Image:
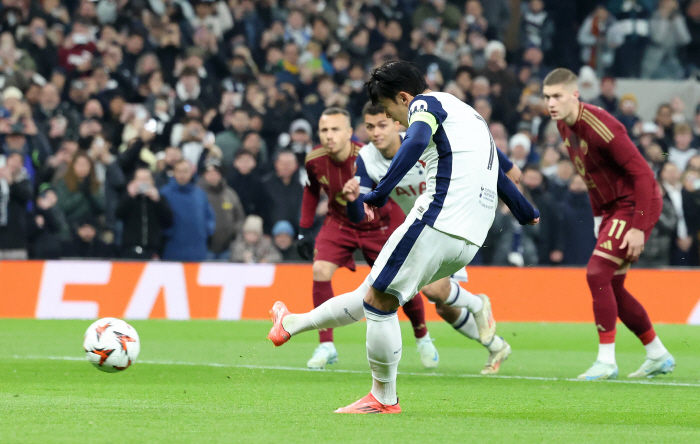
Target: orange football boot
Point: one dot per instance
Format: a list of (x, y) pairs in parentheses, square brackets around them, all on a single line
[(369, 404), (278, 335)]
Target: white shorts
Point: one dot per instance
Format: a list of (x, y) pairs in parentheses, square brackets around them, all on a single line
[(416, 255)]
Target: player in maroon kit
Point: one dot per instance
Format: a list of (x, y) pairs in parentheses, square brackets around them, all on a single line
[(626, 205), (329, 167)]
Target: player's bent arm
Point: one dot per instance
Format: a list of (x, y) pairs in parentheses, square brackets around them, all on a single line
[(414, 144), (523, 210)]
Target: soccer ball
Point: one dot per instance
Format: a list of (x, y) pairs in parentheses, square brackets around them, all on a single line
[(111, 345)]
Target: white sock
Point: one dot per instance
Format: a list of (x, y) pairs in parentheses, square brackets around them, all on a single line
[(466, 325), (459, 297), (336, 312), (424, 338), (606, 353), (655, 349), (496, 344), (383, 352)]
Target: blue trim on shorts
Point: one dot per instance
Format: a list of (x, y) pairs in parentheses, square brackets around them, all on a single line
[(463, 322), (377, 311), (442, 178), (398, 256)]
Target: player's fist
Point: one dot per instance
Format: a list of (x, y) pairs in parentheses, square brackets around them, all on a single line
[(305, 244), (351, 190), (369, 212)]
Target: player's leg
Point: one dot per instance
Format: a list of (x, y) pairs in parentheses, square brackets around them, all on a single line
[(371, 243), (599, 274), (450, 293), (323, 291), (414, 256), (658, 360), (463, 321)]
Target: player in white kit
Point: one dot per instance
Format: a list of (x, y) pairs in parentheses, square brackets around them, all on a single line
[(444, 229)]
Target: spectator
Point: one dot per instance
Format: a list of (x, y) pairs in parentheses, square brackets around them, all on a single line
[(15, 192), (40, 47), (283, 238), (664, 119), (696, 127), (577, 217), (681, 151), (691, 211), (551, 234), (85, 243), (109, 175), (657, 249), (607, 98), (298, 140), (668, 33), (228, 211), (253, 247), (537, 27), (78, 49), (193, 217), (170, 157), (79, 190), (512, 243), (236, 123), (145, 214), (519, 149), (45, 226), (598, 38), (245, 181), (692, 20), (670, 178), (628, 113), (284, 190), (443, 10), (633, 28)]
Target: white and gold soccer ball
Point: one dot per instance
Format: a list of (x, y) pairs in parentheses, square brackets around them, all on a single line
[(111, 345)]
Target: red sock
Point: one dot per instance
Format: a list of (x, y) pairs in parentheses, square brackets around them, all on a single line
[(323, 291), (415, 311), (631, 312), (599, 274)]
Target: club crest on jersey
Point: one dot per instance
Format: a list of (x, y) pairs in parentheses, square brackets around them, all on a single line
[(417, 107)]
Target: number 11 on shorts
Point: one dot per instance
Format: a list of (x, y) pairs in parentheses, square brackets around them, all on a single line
[(615, 223)]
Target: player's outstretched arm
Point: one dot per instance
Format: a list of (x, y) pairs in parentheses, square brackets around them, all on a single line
[(523, 210), (414, 144)]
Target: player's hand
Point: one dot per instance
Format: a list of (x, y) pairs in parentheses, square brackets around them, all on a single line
[(305, 244), (534, 221), (515, 174), (634, 241), (351, 190), (369, 212)]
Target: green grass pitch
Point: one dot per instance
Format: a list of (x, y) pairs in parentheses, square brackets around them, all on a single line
[(230, 385)]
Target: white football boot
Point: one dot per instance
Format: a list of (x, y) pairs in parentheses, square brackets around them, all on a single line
[(428, 353), (653, 367), (496, 358), (485, 322), (599, 371), (323, 355)]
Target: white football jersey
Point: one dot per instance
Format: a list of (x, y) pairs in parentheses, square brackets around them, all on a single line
[(461, 168), (373, 166)]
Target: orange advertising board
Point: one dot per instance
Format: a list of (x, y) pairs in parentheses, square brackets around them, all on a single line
[(172, 290)]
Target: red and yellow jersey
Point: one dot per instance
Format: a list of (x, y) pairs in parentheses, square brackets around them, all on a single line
[(324, 173), (616, 174)]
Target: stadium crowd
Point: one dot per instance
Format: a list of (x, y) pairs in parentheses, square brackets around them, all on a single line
[(175, 130)]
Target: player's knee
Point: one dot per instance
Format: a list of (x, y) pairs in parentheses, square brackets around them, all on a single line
[(598, 273), (323, 271), (437, 292), (382, 301)]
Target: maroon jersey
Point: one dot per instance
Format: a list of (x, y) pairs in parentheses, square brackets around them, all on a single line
[(616, 174), (326, 174)]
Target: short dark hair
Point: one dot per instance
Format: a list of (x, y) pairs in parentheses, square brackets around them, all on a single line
[(393, 77), (334, 111), (560, 76), (372, 110), (465, 69)]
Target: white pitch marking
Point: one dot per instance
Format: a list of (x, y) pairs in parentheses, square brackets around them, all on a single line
[(362, 372)]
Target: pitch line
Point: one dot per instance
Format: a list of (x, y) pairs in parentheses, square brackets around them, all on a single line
[(363, 372)]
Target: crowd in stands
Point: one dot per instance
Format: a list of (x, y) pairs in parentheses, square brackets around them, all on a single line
[(177, 130)]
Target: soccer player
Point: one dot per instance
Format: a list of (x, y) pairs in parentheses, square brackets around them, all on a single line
[(626, 205), (372, 163), (444, 229), (329, 167)]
